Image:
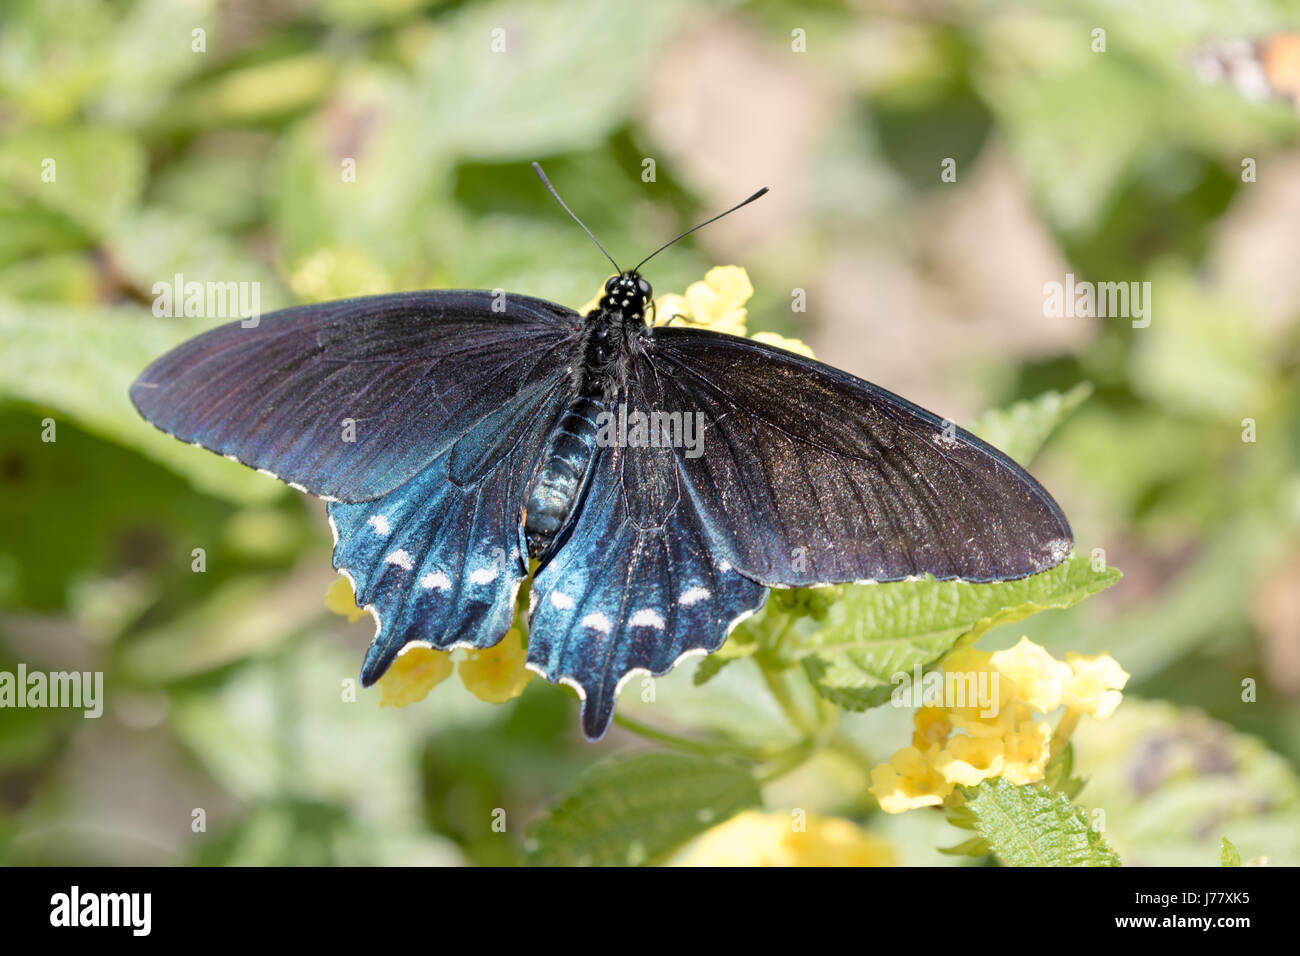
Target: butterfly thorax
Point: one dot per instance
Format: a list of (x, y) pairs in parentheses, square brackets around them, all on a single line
[(614, 332)]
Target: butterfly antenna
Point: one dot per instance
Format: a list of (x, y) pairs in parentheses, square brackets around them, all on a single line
[(537, 168), (638, 266)]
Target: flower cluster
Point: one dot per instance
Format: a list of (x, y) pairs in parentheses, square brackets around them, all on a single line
[(788, 839), (495, 674), (964, 744)]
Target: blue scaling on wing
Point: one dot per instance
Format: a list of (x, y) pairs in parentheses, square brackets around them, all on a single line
[(637, 583), (351, 399), (440, 559)]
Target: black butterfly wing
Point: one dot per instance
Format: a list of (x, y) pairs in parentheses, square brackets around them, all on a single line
[(412, 372), (637, 584), (809, 475), (440, 558)]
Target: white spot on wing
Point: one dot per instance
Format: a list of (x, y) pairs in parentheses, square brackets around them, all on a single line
[(694, 596), (380, 524), (561, 601), (647, 618), (400, 558), (435, 581), (484, 575), (597, 622), (724, 566)]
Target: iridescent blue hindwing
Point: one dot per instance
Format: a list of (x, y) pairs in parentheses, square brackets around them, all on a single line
[(440, 558), (636, 585)]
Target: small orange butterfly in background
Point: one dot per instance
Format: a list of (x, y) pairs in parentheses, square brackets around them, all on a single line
[(1259, 69)]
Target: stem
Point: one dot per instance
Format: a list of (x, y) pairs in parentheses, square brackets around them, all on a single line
[(790, 759), (707, 747), (1065, 729), (846, 748), (776, 683)]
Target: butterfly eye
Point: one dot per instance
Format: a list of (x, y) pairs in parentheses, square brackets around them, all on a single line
[(611, 286), (643, 288)]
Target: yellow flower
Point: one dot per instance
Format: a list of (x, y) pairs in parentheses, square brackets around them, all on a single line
[(1026, 752), (1039, 677), (417, 670), (968, 760), (497, 674), (717, 303), (780, 341), (993, 733), (932, 727), (988, 708), (908, 781), (1094, 684), (340, 599), (754, 838), (672, 309)]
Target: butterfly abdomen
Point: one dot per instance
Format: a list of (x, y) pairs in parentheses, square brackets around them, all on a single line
[(570, 449), (612, 336)]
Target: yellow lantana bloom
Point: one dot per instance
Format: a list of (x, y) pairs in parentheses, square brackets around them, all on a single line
[(1094, 684), (780, 341), (754, 838), (1040, 677), (340, 599), (716, 303), (908, 781), (417, 670), (966, 761), (497, 674), (997, 737), (975, 671), (933, 725), (1026, 752)]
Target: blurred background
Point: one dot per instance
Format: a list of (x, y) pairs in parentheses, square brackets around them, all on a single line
[(218, 154)]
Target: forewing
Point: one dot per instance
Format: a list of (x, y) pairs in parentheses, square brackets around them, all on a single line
[(637, 583), (440, 559), (351, 399), (809, 475)]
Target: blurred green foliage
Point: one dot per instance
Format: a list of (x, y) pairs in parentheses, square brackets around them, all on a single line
[(227, 688)]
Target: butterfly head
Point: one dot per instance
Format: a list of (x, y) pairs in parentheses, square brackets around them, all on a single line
[(628, 293)]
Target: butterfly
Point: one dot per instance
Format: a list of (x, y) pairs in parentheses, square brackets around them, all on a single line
[(661, 478)]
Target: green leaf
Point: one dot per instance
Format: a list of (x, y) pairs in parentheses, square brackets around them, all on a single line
[(710, 666), (1035, 826), (527, 99), (81, 362), (1057, 776), (90, 176), (1022, 429), (1229, 855), (635, 810), (975, 846), (878, 631)]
